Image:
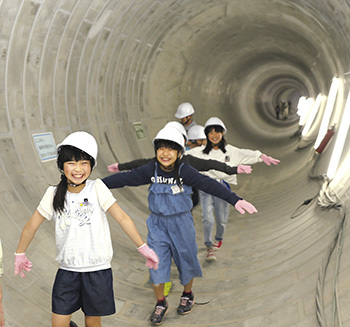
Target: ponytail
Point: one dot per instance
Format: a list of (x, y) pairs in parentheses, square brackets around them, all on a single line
[(60, 195)]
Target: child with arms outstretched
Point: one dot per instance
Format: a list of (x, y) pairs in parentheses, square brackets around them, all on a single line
[(217, 149), (171, 231), (77, 205)]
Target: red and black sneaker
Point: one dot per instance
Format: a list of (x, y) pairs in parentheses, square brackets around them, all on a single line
[(158, 314), (185, 305)]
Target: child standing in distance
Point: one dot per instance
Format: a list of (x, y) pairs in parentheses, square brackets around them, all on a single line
[(171, 231), (196, 137), (217, 149), (185, 112), (84, 250)]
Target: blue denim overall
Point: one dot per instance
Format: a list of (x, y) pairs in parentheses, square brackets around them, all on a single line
[(171, 232)]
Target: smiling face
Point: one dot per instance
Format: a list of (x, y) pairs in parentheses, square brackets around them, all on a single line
[(167, 156), (76, 172), (215, 137)]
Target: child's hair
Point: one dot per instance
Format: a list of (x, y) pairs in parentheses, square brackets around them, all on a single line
[(158, 143), (209, 146), (67, 153)]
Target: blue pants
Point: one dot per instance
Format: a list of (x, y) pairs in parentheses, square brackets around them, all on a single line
[(211, 204), (173, 237)]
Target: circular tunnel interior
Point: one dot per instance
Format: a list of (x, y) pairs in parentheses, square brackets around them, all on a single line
[(118, 69)]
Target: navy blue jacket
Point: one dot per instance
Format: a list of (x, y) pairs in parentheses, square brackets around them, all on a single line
[(188, 176)]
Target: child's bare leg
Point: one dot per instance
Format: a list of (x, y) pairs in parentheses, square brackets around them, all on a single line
[(60, 320), (159, 291), (187, 300), (188, 287), (161, 308), (91, 321)]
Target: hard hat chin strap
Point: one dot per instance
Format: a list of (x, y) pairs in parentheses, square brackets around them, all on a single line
[(63, 176), (75, 185)]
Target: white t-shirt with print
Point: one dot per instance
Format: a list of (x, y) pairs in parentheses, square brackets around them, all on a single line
[(233, 157), (83, 240)]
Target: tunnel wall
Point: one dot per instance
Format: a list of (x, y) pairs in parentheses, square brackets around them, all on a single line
[(111, 67)]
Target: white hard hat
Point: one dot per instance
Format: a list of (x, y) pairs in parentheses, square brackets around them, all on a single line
[(196, 132), (179, 127), (82, 141), (169, 133), (183, 110), (215, 121)]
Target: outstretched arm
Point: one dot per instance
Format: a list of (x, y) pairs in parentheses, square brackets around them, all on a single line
[(29, 230), (117, 167), (134, 177), (208, 164), (126, 223), (211, 186), (269, 160), (129, 228)]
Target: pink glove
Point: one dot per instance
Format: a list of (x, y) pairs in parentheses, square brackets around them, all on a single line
[(269, 160), (150, 255), (113, 168), (22, 263), (244, 169), (242, 205)]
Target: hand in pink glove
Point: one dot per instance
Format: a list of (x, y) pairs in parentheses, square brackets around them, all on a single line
[(113, 168), (150, 255), (22, 263), (269, 160), (243, 205), (244, 169)]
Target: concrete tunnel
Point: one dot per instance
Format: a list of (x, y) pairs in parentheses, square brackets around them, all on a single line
[(118, 69)]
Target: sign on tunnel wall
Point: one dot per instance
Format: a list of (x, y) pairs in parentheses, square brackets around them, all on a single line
[(45, 146)]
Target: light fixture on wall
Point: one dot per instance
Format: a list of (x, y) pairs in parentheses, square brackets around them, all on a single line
[(328, 111), (340, 140), (304, 109), (313, 111)]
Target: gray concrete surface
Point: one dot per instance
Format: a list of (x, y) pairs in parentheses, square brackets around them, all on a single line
[(102, 66)]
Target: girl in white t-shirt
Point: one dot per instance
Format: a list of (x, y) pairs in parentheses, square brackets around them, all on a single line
[(84, 250), (217, 148)]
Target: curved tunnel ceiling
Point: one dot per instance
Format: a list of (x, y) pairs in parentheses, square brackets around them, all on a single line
[(102, 66)]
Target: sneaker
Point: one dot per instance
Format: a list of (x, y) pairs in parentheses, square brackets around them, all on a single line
[(158, 314), (72, 324), (210, 255), (217, 244), (185, 305)]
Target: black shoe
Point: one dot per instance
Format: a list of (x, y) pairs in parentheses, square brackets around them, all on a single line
[(158, 314), (73, 324), (185, 305)]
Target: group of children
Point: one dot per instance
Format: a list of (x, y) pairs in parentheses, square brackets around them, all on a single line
[(78, 206)]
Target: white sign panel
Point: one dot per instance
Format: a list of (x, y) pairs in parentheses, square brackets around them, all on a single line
[(45, 146)]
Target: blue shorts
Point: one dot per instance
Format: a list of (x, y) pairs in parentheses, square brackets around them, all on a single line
[(90, 291)]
